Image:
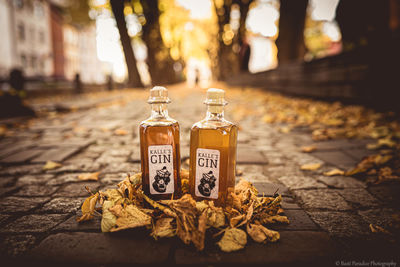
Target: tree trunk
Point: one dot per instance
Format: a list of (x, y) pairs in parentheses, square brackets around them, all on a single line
[(290, 41), (244, 54), (159, 60), (227, 61), (117, 7)]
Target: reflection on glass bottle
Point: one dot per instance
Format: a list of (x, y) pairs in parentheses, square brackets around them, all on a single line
[(159, 149), (213, 152)]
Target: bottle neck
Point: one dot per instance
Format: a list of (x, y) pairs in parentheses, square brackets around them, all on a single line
[(159, 111), (215, 112)]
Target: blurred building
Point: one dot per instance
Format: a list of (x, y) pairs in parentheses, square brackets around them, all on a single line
[(36, 39), (80, 54), (26, 37)]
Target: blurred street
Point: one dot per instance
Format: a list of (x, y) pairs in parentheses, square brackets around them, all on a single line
[(330, 216)]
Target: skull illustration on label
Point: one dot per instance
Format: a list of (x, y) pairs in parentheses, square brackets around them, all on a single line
[(207, 173), (161, 169)]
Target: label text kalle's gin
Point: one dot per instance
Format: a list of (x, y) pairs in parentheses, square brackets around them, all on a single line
[(161, 169), (207, 173)]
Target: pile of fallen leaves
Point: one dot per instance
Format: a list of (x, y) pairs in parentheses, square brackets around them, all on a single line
[(335, 120), (244, 214)]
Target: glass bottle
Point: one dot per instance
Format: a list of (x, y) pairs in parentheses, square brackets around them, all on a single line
[(159, 149), (213, 152)]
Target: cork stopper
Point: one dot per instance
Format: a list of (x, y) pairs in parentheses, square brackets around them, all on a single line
[(158, 94), (215, 97)]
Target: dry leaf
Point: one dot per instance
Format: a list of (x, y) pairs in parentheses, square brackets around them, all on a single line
[(378, 229), (120, 132), (270, 219), (129, 216), (232, 240), (50, 165), (108, 220), (88, 208), (310, 167), (163, 228), (334, 172), (261, 234), (93, 176), (308, 149)]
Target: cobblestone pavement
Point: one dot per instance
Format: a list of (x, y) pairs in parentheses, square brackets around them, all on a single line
[(329, 216)]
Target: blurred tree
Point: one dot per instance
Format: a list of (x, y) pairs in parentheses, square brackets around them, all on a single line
[(290, 41), (159, 60), (229, 41), (117, 7), (77, 12)]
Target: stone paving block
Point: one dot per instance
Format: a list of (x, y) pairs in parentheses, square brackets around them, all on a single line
[(36, 191), (322, 199), (113, 178), (16, 245), (56, 154), (6, 181), (135, 156), (19, 204), (268, 189), (288, 203), (294, 248), (22, 156), (34, 179), (126, 167), (337, 158), (21, 169), (13, 147), (338, 144), (359, 197), (249, 155), (340, 224), (33, 223), (3, 218), (387, 193), (63, 179), (102, 249), (71, 225), (76, 189), (341, 181), (299, 220), (383, 217), (358, 153), (62, 205), (82, 165), (300, 182)]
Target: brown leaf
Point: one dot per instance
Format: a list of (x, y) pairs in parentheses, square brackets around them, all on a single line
[(270, 219), (129, 216), (261, 234), (378, 229), (88, 208), (164, 228), (334, 172), (199, 234), (93, 176), (120, 132), (50, 165), (232, 240), (310, 167), (308, 149)]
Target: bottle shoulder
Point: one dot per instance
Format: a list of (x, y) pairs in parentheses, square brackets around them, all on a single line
[(213, 124), (159, 122)]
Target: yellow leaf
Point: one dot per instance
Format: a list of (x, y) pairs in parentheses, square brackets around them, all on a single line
[(378, 229), (88, 208), (261, 234), (163, 228), (50, 165), (310, 167), (108, 220), (129, 216), (334, 172), (232, 240), (120, 132), (93, 176), (308, 149)]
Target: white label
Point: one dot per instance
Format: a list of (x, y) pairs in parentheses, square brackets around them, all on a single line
[(207, 173), (161, 169)]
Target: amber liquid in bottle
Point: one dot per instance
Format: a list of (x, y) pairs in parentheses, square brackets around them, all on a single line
[(160, 155), (213, 157)]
